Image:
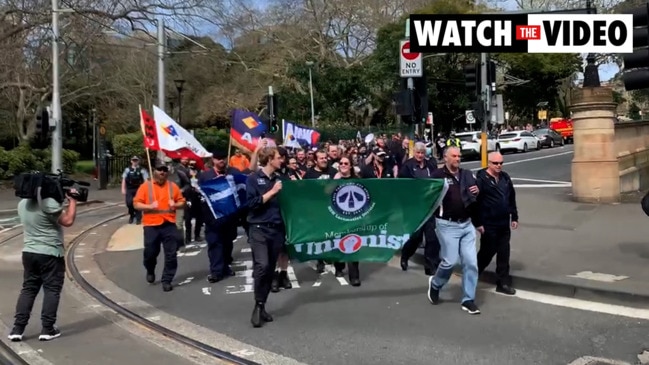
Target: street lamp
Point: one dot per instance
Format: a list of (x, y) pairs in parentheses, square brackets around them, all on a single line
[(179, 86), (171, 106), (310, 65)]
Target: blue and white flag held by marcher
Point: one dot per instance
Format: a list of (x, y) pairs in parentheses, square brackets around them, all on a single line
[(226, 195)]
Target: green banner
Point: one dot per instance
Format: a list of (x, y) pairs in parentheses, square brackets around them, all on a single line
[(357, 219)]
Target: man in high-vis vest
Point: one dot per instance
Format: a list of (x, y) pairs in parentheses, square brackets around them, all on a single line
[(453, 141), (159, 199)]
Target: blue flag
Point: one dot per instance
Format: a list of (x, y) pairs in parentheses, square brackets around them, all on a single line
[(226, 195)]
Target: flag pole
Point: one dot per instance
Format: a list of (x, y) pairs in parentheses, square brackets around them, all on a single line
[(229, 147), (148, 154)]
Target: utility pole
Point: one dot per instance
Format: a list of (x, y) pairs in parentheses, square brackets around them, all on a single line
[(162, 45), (56, 120), (486, 100)]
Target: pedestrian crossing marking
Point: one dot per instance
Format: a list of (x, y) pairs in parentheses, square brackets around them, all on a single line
[(292, 277)]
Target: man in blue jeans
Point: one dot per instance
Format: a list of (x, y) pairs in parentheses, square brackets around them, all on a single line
[(455, 231)]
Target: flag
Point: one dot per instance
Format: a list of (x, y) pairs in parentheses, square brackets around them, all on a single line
[(149, 131), (225, 195), (175, 141), (356, 219), (246, 131), (296, 135)]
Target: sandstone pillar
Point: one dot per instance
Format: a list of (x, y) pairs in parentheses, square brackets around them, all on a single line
[(595, 170)]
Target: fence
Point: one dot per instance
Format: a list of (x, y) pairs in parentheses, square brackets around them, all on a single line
[(116, 166)]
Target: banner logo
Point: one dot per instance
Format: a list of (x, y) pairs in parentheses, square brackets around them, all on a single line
[(350, 244), (350, 202)]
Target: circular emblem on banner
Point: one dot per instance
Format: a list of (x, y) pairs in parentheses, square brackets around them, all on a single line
[(350, 201), (350, 244)]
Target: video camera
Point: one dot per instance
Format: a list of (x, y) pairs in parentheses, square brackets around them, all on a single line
[(55, 186)]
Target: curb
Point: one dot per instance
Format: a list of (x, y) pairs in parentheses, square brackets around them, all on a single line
[(10, 213), (564, 287)]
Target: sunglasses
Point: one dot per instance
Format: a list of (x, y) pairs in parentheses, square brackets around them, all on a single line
[(496, 163), (162, 169), (344, 163)]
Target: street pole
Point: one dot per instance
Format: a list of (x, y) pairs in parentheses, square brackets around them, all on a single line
[(180, 106), (94, 136), (486, 100), (312, 105), (161, 70), (57, 135), (411, 144)]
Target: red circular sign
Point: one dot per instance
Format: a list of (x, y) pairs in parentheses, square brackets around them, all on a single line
[(405, 52)]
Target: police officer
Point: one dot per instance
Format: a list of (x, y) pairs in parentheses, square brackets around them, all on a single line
[(219, 234), (132, 178), (453, 141), (266, 233), (159, 200)]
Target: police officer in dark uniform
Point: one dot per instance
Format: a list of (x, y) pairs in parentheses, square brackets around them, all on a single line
[(266, 234), (219, 234), (132, 178)]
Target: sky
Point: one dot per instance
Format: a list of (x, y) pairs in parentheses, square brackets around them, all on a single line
[(606, 72)]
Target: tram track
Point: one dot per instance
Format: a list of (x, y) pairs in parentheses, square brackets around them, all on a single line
[(76, 275), (9, 356)]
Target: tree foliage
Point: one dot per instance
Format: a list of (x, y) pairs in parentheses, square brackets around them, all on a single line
[(229, 52)]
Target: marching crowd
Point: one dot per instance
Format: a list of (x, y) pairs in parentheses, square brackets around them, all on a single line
[(484, 202)]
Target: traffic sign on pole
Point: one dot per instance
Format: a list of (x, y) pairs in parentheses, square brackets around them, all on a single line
[(411, 63), (469, 117)]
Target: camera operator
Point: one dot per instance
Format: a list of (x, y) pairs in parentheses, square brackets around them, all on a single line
[(43, 259)]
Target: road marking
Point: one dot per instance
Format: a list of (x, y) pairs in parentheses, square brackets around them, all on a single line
[(331, 269), (245, 274), (207, 291), (530, 159), (292, 277), (597, 276), (238, 289), (588, 360), (244, 352), (542, 181), (543, 185), (186, 281), (246, 250), (612, 309)]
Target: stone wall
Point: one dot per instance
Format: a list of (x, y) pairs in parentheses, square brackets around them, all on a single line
[(632, 149)]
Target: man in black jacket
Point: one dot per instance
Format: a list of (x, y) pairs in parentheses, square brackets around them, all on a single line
[(420, 167), (496, 213), (455, 231)]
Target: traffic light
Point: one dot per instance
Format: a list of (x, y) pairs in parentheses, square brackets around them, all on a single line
[(491, 74), (472, 79), (42, 124), (636, 74)]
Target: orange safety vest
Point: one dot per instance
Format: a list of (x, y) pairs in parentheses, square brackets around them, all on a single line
[(145, 195)]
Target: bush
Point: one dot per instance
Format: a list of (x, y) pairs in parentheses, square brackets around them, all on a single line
[(213, 138), (131, 144), (23, 158)]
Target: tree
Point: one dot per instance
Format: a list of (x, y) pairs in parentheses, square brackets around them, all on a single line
[(544, 73)]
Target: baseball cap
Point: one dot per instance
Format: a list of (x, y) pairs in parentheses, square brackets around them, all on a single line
[(219, 154), (135, 158), (380, 153), (161, 165)]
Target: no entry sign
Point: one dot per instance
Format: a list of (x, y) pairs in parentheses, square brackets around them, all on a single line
[(411, 63)]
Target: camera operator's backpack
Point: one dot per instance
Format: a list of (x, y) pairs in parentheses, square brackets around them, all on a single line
[(26, 184)]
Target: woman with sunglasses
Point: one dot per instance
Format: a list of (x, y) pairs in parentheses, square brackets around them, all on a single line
[(346, 171)]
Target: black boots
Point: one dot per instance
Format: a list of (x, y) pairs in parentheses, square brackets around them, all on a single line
[(280, 280), (259, 315)]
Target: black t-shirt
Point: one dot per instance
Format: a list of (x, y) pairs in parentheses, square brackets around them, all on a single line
[(312, 173), (371, 172)]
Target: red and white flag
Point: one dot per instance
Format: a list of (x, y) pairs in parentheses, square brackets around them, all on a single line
[(175, 141), (149, 131)]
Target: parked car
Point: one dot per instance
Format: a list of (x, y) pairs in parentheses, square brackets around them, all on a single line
[(519, 141), (471, 143), (548, 137)]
